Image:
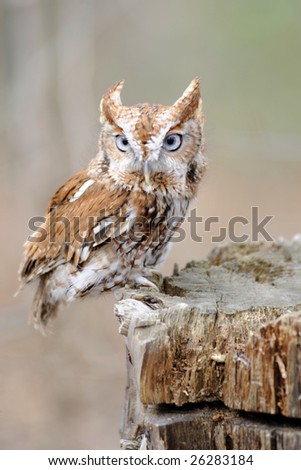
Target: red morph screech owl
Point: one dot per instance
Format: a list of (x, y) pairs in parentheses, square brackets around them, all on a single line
[(147, 168)]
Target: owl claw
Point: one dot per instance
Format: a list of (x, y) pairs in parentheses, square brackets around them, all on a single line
[(141, 281), (156, 277)]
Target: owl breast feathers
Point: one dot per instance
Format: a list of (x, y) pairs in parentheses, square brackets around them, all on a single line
[(111, 223)]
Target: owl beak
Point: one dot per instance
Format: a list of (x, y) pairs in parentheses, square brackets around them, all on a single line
[(146, 171)]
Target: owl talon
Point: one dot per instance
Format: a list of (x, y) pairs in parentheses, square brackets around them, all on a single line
[(155, 277), (141, 281)]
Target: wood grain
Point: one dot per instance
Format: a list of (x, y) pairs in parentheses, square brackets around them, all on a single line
[(224, 329)]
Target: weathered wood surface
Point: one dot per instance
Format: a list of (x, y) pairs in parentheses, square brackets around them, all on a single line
[(217, 428), (225, 329)]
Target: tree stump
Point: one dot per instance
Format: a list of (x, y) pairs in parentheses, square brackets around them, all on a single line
[(214, 358)]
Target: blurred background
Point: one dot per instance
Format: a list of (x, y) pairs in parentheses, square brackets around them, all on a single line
[(57, 57)]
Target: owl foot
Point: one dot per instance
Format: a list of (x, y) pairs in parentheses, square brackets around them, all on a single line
[(145, 278), (150, 300), (155, 277), (141, 281)]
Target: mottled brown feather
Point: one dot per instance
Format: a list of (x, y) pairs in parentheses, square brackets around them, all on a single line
[(97, 203)]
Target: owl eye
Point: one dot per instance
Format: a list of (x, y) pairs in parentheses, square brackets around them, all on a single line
[(172, 142), (122, 143)]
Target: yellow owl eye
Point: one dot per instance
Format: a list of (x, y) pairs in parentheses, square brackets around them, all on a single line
[(172, 142), (122, 143)]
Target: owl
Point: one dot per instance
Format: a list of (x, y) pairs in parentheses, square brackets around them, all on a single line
[(111, 223)]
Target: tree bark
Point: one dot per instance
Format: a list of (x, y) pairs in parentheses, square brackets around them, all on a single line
[(227, 330)]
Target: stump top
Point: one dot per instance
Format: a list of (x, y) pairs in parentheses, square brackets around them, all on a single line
[(239, 277)]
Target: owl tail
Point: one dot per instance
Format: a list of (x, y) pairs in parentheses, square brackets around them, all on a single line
[(43, 307)]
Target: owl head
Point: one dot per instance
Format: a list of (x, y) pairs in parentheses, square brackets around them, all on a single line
[(153, 145)]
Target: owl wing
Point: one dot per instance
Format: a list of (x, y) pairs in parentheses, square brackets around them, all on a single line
[(82, 215)]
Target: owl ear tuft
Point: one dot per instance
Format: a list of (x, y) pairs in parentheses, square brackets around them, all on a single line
[(190, 102), (110, 104)]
